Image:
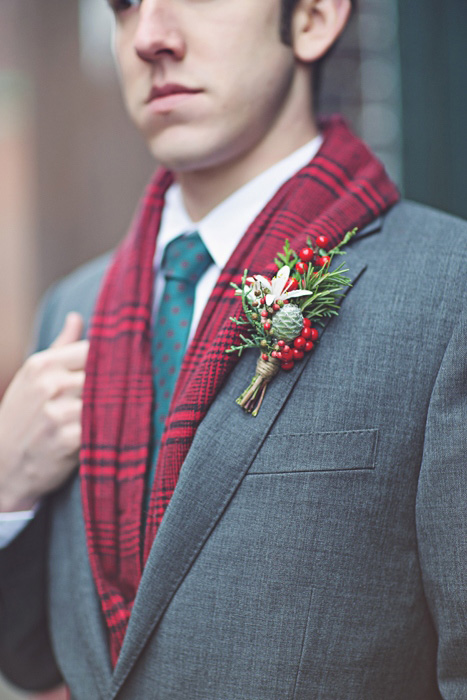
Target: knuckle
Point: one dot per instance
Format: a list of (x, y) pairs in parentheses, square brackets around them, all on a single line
[(80, 377), (74, 383), (50, 413), (46, 387), (39, 375), (34, 365), (70, 437)]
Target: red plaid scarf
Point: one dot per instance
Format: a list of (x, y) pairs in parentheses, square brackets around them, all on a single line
[(342, 188)]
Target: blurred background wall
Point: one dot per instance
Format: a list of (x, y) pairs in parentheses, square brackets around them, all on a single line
[(72, 167)]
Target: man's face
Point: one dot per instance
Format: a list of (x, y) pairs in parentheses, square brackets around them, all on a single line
[(205, 81)]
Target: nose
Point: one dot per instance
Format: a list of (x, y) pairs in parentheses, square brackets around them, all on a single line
[(158, 32)]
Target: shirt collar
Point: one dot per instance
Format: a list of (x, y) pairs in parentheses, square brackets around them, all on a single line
[(224, 226)]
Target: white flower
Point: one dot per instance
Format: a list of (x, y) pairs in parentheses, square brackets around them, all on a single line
[(277, 288), (252, 290), (255, 290)]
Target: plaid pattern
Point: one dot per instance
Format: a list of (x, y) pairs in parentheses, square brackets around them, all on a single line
[(342, 188)]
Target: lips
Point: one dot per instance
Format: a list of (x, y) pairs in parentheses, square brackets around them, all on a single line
[(169, 89)]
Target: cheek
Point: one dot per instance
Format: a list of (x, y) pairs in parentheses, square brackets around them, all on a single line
[(126, 64), (256, 85), (240, 43)]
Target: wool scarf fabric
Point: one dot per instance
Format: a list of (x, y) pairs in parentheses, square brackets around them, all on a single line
[(343, 187)]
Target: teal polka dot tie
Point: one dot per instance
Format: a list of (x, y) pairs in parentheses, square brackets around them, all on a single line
[(185, 260)]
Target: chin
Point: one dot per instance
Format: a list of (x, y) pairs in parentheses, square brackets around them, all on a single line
[(181, 157), (185, 152)]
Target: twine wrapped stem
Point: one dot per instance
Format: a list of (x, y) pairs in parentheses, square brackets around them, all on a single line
[(253, 396)]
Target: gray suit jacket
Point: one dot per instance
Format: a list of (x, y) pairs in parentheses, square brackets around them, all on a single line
[(318, 551)]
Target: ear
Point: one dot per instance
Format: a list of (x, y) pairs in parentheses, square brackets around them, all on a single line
[(316, 25)]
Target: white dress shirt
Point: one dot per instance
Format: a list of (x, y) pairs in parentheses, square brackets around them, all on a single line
[(221, 231)]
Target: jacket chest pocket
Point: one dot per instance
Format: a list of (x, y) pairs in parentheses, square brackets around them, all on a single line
[(341, 450)]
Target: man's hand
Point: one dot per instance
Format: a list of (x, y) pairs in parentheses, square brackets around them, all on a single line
[(40, 420)]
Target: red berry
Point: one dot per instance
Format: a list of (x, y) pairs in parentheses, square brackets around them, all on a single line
[(286, 301), (302, 268), (291, 285), (264, 357), (322, 241), (274, 354), (281, 343), (287, 356), (306, 322), (267, 326), (275, 307), (325, 260), (306, 254), (278, 355), (288, 365), (264, 314), (286, 348), (306, 333), (297, 354), (314, 334), (299, 343), (309, 346)]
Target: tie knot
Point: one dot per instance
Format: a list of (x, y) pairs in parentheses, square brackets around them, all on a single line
[(186, 258)]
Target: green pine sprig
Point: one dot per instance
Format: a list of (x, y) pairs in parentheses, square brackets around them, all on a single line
[(259, 337), (325, 284), (287, 257)]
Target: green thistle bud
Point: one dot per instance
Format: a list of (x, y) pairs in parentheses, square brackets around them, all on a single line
[(287, 323)]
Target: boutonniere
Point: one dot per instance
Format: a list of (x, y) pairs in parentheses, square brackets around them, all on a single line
[(281, 316)]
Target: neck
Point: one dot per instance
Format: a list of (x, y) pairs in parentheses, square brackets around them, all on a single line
[(204, 189)]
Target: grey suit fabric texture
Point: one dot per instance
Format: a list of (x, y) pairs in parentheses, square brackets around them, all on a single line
[(318, 551)]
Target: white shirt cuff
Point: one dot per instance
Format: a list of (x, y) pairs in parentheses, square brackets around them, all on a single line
[(11, 524)]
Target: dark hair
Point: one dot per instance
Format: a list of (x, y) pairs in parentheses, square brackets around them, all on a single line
[(287, 8)]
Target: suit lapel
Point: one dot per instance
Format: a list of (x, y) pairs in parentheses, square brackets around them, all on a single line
[(210, 476)]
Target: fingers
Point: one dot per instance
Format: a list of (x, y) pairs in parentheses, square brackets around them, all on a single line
[(75, 383), (68, 384), (73, 356), (71, 332), (64, 411), (40, 419)]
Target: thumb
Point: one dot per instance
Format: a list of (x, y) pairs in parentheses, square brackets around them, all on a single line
[(71, 332)]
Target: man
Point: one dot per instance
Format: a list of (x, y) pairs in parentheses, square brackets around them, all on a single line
[(314, 551)]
